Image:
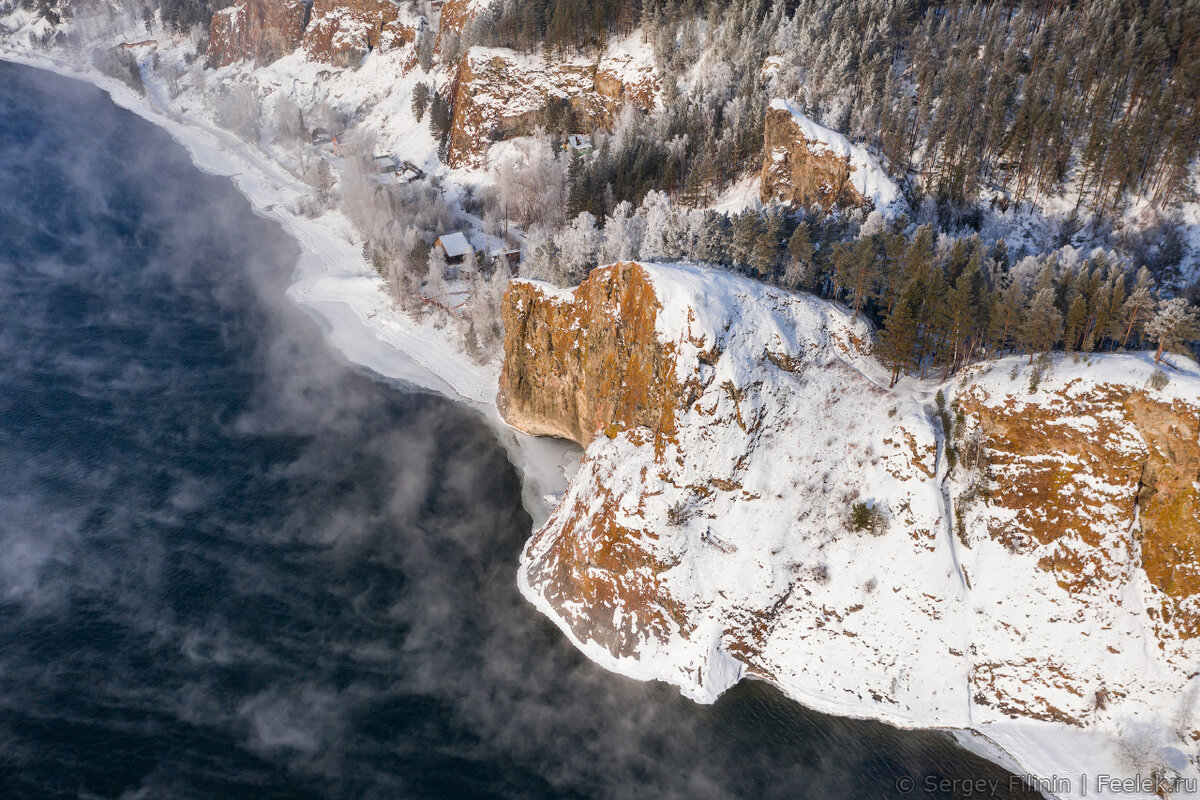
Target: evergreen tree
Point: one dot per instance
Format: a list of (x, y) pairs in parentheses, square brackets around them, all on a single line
[(1175, 324), (1005, 315), (420, 100), (898, 339), (747, 230), (800, 273), (1076, 323), (1137, 308), (1042, 325)]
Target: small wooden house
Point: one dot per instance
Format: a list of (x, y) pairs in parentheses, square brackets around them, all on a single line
[(509, 256), (579, 144), (385, 165), (454, 247)]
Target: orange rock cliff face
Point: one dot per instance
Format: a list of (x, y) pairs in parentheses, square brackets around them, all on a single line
[(1089, 496), (255, 30), (456, 15), (1092, 503), (797, 172), (342, 32), (338, 32), (497, 95), (578, 370), (573, 370)]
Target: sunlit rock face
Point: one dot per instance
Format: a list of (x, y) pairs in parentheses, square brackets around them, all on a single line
[(342, 32), (806, 165), (260, 31), (499, 94), (1044, 570)]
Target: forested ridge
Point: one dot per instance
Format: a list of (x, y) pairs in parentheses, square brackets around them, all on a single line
[(1003, 100), (974, 109)]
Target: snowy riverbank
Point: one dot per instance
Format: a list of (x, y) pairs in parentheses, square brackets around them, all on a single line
[(338, 288)]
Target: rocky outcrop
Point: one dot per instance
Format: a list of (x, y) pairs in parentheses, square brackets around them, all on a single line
[(342, 32), (1097, 481), (498, 94), (805, 164), (456, 15), (255, 30), (578, 368), (1039, 563)]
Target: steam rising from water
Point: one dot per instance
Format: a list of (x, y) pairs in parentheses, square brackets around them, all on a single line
[(232, 566)]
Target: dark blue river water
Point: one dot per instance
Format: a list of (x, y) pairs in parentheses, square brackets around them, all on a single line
[(232, 566)]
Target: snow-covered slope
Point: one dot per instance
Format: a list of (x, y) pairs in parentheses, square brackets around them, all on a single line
[(708, 533)]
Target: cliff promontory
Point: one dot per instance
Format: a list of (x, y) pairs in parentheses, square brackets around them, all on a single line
[(499, 94), (1024, 565), (342, 32)]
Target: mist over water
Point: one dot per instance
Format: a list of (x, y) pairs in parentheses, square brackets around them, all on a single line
[(233, 566)]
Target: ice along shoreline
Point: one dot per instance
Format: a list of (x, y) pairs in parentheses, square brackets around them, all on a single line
[(334, 285)]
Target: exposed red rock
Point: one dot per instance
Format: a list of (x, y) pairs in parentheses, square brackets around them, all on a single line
[(1065, 491), (255, 30), (498, 94), (803, 172), (342, 32), (573, 369), (723, 451), (456, 15)]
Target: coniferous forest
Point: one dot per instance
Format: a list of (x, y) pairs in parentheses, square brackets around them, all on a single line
[(1081, 115), (989, 101), (972, 108)]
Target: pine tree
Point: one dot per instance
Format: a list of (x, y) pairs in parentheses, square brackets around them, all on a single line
[(1005, 316), (1043, 323), (898, 339), (1137, 308), (747, 228), (765, 258), (1175, 324), (1075, 323), (860, 273), (966, 309), (799, 273), (420, 100)]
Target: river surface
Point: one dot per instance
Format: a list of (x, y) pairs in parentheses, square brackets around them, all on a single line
[(234, 566)]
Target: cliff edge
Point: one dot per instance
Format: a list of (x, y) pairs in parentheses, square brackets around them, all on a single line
[(1026, 562)]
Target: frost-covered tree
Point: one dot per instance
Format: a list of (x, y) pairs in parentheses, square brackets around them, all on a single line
[(435, 276), (623, 232), (543, 262), (659, 216), (1175, 324), (578, 246), (237, 107), (287, 123), (713, 240), (531, 183)]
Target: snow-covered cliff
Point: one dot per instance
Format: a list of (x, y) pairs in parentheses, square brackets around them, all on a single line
[(709, 533)]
